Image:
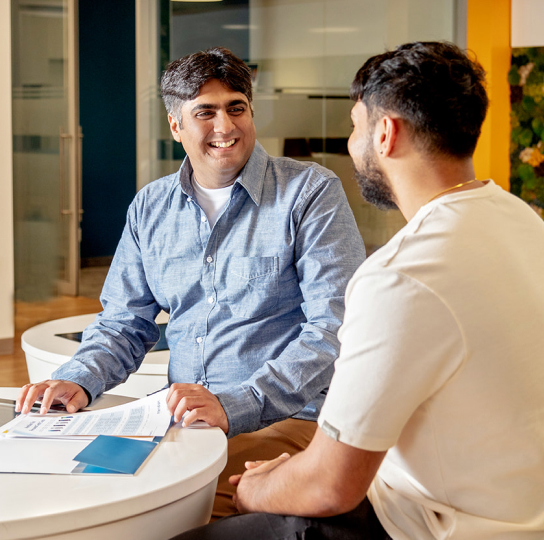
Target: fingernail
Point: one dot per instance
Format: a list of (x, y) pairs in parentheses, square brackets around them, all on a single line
[(42, 410)]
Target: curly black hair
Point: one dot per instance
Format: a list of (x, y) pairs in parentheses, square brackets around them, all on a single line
[(434, 87)]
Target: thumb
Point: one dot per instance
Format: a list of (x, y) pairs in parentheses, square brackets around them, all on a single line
[(234, 480), (78, 401)]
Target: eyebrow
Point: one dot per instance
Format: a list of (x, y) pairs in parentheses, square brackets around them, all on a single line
[(208, 106)]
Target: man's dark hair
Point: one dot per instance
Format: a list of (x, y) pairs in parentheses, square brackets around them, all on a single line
[(434, 87), (183, 78)]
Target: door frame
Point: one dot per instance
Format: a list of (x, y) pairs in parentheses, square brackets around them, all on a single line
[(70, 180)]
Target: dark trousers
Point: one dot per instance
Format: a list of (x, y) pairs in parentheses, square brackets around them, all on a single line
[(359, 524)]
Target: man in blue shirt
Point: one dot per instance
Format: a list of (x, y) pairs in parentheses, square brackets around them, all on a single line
[(250, 256)]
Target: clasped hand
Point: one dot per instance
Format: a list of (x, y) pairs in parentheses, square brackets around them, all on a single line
[(249, 484), (198, 402)]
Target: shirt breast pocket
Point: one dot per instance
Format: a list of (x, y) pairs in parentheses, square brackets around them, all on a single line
[(252, 285)]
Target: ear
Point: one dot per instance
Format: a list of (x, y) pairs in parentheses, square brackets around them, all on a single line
[(175, 128), (385, 135)]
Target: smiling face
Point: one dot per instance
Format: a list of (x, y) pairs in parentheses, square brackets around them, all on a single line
[(371, 178), (217, 133)]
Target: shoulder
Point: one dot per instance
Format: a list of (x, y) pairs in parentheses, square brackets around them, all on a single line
[(156, 193), (304, 182), (303, 170), (151, 203), (158, 188)]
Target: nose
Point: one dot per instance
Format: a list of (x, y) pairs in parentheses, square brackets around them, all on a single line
[(223, 123)]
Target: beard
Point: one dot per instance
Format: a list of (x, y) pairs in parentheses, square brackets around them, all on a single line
[(373, 182)]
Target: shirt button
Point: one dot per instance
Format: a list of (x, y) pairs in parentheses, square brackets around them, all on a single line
[(189, 199), (200, 382), (203, 219), (199, 339), (210, 300), (209, 258)]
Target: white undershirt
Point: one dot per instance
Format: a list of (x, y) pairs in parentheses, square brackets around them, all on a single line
[(212, 201)]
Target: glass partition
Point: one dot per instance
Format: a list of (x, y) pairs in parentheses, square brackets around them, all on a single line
[(45, 145), (304, 55)]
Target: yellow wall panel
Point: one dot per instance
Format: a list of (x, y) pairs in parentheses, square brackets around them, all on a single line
[(488, 36)]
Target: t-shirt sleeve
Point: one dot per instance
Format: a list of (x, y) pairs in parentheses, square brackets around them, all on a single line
[(400, 343)]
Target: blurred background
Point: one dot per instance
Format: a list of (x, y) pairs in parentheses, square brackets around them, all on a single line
[(84, 127), (89, 127)]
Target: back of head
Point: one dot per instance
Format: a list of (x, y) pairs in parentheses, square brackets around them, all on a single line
[(183, 78), (434, 87)]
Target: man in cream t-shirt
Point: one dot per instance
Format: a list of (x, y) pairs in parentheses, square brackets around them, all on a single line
[(433, 427), (440, 360)]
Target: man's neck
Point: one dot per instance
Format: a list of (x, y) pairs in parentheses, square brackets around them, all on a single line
[(211, 180), (424, 179)]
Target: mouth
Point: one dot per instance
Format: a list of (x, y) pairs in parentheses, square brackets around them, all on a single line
[(222, 144)]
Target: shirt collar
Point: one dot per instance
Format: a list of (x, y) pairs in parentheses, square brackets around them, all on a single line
[(251, 178)]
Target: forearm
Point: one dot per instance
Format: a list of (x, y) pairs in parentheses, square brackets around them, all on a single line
[(292, 488), (111, 350), (328, 478)]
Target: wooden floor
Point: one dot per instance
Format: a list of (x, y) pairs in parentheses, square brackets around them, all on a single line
[(13, 366)]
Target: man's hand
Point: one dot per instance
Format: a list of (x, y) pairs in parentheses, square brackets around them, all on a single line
[(254, 468), (200, 402), (70, 394), (327, 479)]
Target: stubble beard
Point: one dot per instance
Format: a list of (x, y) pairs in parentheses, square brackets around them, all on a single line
[(373, 182)]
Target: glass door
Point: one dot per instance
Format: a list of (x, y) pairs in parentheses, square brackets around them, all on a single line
[(46, 144)]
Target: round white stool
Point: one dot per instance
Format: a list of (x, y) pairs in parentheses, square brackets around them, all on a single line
[(45, 351)]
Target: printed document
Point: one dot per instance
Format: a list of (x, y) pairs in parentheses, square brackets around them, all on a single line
[(146, 417)]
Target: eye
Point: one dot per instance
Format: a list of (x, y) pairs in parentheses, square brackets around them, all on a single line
[(204, 114), (236, 110)]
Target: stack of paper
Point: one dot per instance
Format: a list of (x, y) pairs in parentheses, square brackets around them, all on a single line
[(123, 438)]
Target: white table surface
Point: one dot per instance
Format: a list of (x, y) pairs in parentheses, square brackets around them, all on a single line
[(185, 461)]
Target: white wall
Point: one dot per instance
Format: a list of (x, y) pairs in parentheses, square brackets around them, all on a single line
[(527, 23), (6, 186)]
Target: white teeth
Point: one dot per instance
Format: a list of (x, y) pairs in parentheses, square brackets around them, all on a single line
[(223, 144)]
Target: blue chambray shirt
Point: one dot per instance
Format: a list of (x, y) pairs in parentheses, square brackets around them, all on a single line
[(255, 302)]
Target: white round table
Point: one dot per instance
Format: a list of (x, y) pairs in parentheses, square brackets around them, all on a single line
[(173, 492), (45, 352)]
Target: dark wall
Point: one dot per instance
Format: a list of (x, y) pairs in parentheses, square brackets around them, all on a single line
[(107, 90)]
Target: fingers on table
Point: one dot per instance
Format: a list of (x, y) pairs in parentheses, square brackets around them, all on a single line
[(48, 391), (184, 397), (199, 407), (28, 395)]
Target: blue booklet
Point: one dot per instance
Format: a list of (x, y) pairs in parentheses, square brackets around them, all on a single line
[(114, 455)]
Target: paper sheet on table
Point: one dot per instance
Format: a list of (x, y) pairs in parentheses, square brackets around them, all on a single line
[(146, 417), (39, 456)]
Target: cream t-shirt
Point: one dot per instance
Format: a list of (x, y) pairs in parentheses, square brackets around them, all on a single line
[(442, 363)]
